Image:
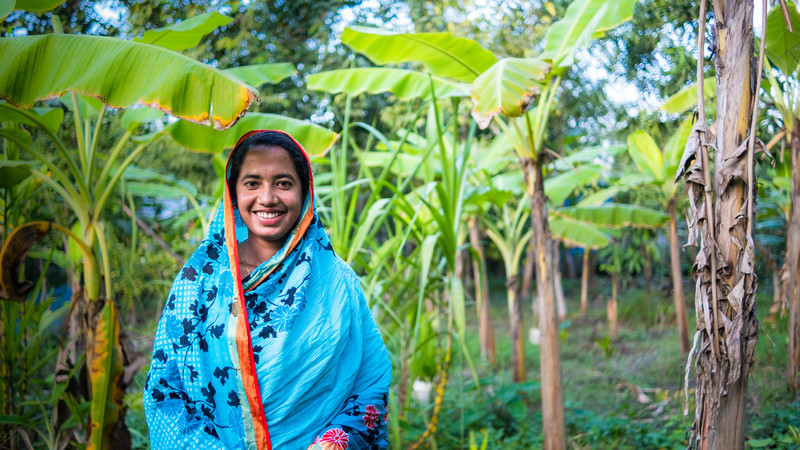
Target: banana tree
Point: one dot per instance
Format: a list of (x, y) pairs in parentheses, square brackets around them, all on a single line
[(509, 86), (439, 162), (511, 234), (41, 67), (594, 227), (655, 168), (780, 90), (723, 215)]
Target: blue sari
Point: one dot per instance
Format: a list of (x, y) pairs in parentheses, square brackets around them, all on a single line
[(288, 358)]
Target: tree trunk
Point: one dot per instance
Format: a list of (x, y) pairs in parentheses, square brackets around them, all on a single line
[(611, 308), (677, 280), (778, 280), (793, 261), (557, 285), (726, 280), (550, 357), (585, 283), (527, 273), (479, 268), (648, 272), (515, 326)]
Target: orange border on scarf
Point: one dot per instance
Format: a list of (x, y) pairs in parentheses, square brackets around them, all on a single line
[(244, 342)]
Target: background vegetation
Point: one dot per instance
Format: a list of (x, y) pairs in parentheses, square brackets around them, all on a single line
[(432, 210)]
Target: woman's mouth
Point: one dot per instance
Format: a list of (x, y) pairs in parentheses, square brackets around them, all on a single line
[(268, 215)]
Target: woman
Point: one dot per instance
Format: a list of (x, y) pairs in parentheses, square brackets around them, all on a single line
[(266, 340)]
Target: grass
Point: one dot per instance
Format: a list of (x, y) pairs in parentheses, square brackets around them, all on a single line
[(619, 393)]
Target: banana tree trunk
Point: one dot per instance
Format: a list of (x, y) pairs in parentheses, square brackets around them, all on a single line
[(611, 307), (793, 261), (515, 325), (778, 288), (585, 283), (550, 356), (727, 283), (479, 268), (557, 284), (527, 273), (648, 273), (677, 280)]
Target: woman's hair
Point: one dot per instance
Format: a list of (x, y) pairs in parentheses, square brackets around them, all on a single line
[(268, 139)]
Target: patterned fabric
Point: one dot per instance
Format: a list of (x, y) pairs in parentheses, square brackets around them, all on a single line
[(288, 358)]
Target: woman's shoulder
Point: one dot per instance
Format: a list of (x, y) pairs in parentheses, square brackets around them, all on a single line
[(206, 260)]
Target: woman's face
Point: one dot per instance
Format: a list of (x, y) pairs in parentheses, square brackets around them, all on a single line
[(269, 195)]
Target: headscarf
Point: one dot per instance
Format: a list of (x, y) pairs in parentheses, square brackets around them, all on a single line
[(288, 357)]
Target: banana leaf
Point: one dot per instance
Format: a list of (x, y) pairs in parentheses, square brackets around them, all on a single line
[(133, 117), (561, 186), (13, 172), (258, 74), (613, 215), (120, 73), (6, 6), (574, 233), (50, 118), (589, 155), (686, 98), (783, 47), (583, 20), (186, 33), (315, 139), (441, 53), (645, 154), (509, 86), (405, 84)]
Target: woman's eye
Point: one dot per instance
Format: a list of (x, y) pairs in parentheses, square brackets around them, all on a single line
[(285, 184), (250, 184)]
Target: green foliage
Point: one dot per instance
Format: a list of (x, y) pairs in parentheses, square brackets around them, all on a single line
[(185, 34)]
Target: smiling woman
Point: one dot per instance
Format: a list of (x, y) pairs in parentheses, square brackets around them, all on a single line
[(266, 340)]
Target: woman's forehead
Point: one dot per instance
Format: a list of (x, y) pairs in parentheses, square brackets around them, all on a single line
[(268, 158)]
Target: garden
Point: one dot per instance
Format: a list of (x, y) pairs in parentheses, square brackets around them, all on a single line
[(571, 219)]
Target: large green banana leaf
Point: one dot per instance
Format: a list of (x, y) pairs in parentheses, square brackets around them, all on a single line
[(441, 53), (782, 46), (561, 186), (315, 139), (577, 234), (186, 33), (6, 6), (258, 74), (509, 86), (623, 184), (686, 98), (406, 84), (583, 20), (122, 74), (645, 154), (615, 215), (673, 150), (105, 369)]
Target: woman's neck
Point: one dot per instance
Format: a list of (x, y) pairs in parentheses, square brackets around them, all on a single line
[(253, 254)]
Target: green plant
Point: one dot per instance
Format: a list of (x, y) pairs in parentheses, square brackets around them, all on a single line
[(607, 349)]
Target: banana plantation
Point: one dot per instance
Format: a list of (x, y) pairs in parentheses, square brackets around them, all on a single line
[(559, 211)]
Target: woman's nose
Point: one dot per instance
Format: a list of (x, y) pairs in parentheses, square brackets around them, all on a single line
[(267, 195)]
